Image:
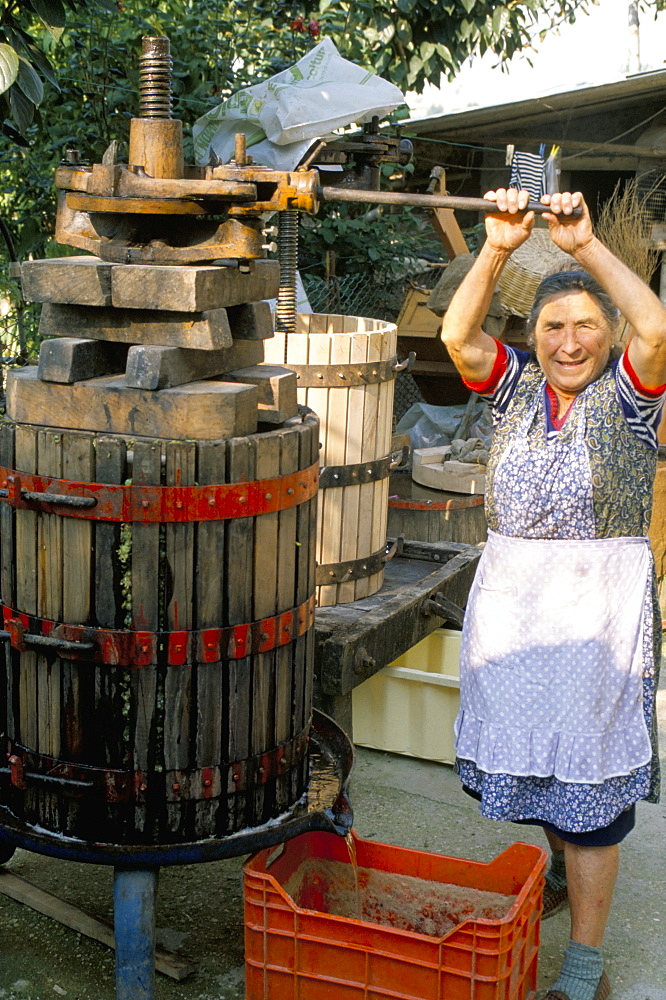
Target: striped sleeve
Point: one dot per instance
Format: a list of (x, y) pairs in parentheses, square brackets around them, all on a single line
[(641, 407), (498, 389)]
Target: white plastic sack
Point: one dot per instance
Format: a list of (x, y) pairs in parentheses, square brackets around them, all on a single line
[(320, 93), (433, 426), (430, 426)]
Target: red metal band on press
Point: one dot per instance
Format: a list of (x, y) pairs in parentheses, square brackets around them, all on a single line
[(164, 504), (27, 768), (116, 647)]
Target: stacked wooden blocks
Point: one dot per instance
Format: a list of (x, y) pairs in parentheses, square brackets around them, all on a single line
[(146, 349)]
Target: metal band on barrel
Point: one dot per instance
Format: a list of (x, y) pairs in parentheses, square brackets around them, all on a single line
[(26, 768), (116, 647), (161, 504), (359, 474), (353, 569), (343, 376)]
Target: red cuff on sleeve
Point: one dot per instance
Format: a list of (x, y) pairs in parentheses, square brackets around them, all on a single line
[(499, 367), (636, 382)]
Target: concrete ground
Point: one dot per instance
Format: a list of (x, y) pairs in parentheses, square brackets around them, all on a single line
[(397, 800)]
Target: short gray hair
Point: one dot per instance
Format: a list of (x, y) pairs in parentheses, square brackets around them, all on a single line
[(571, 281)]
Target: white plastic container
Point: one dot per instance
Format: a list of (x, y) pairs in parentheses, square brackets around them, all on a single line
[(410, 706)]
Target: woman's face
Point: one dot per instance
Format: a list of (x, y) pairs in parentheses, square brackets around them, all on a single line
[(572, 340)]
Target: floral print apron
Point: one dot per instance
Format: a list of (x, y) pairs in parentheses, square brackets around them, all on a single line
[(552, 723)]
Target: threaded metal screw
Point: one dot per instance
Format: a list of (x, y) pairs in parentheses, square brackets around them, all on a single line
[(155, 77)]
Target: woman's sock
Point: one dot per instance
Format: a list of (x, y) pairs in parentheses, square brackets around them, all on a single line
[(556, 876), (581, 971)]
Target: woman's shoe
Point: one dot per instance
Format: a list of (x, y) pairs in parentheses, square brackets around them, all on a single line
[(553, 901), (603, 991)]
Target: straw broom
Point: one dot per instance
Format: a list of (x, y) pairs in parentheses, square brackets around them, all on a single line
[(624, 225)]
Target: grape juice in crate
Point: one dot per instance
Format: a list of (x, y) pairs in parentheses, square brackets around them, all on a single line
[(296, 948)]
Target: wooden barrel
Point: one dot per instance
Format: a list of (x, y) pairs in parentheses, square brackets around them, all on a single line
[(156, 684), (424, 515), (345, 367)]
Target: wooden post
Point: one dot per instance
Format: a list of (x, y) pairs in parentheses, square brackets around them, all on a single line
[(444, 220)]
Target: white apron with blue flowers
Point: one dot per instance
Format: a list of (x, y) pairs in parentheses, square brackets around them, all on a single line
[(554, 639)]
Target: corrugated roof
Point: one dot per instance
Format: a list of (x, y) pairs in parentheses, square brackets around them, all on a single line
[(535, 111)]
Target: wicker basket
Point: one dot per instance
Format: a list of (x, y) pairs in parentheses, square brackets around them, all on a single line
[(526, 268)]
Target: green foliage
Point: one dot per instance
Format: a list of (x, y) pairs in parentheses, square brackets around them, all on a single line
[(414, 42), (220, 46), (365, 241), (69, 71), (24, 65), (391, 242)]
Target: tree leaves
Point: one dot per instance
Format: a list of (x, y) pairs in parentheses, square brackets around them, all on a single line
[(23, 62), (396, 37), (500, 19), (29, 82), (22, 108), (51, 12), (9, 66)]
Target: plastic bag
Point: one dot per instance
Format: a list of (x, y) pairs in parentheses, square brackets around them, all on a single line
[(433, 426), (430, 426), (283, 115)]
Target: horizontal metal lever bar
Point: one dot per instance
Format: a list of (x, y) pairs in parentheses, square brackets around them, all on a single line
[(357, 195)]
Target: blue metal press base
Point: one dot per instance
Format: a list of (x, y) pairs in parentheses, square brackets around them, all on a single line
[(323, 807), (134, 899)]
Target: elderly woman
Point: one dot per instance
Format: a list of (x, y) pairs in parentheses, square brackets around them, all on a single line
[(561, 641)]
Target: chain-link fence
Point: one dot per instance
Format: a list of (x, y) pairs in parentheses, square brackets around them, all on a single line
[(19, 323), (376, 296), (651, 194)]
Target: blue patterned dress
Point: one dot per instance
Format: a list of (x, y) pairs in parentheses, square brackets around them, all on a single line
[(619, 442)]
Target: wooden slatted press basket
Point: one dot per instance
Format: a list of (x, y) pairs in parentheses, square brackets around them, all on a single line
[(346, 366), (156, 566)]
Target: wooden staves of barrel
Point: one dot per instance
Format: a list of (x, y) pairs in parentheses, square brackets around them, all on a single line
[(159, 602), (346, 366), (426, 515)]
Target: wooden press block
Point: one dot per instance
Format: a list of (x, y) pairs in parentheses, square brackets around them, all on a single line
[(251, 321), (161, 367), (202, 410), (65, 359), (84, 281), (204, 331), (192, 288), (277, 390)]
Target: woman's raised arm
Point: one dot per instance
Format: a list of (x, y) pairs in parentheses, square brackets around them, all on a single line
[(635, 300), (472, 351)]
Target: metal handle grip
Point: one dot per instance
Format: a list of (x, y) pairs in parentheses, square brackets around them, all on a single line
[(19, 637), (406, 365), (444, 608), (57, 499)]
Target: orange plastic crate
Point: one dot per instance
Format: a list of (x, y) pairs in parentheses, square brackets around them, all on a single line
[(300, 954)]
